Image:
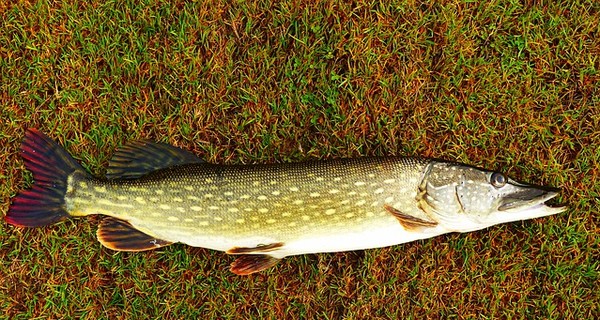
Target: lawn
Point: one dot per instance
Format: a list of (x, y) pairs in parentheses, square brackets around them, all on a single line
[(507, 85)]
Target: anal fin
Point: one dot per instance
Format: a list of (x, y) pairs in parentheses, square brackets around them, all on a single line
[(251, 263), (407, 221), (119, 235)]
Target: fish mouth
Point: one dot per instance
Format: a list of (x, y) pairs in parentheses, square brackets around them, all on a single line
[(530, 201)]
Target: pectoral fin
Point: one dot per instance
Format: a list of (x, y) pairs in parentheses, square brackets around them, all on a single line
[(409, 222), (119, 235), (251, 263)]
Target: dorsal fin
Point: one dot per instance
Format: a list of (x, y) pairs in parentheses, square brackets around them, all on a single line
[(119, 235), (139, 158)]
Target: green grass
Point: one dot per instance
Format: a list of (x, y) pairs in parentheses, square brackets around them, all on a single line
[(499, 84)]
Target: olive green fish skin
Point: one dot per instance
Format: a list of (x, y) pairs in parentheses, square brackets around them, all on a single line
[(219, 207)]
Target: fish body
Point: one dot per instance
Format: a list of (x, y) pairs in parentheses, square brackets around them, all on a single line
[(318, 206), (155, 195)]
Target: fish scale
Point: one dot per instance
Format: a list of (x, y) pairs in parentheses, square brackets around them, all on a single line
[(155, 195)]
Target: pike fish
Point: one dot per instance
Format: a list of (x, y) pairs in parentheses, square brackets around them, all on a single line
[(155, 194)]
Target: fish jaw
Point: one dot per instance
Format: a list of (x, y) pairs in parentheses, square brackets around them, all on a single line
[(525, 202), (536, 209)]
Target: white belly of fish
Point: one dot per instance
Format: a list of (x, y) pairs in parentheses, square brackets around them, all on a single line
[(383, 233)]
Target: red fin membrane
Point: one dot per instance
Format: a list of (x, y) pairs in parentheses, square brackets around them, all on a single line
[(37, 207), (51, 165), (119, 235), (139, 158), (251, 263)]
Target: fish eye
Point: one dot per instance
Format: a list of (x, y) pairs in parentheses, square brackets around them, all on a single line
[(498, 180)]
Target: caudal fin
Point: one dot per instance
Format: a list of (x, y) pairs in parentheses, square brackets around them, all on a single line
[(51, 165)]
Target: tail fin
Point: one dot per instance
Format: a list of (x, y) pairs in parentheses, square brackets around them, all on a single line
[(51, 166)]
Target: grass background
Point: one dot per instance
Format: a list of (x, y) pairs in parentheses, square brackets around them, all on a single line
[(508, 85)]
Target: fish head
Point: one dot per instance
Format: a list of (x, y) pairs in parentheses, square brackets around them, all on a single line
[(464, 198)]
